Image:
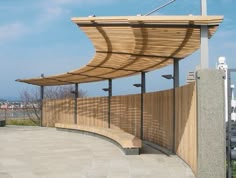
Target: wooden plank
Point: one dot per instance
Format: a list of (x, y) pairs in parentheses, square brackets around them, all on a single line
[(126, 140), (186, 133), (158, 114)]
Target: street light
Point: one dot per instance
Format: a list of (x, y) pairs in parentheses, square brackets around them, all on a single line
[(137, 85), (142, 85), (106, 89), (168, 76), (109, 90)]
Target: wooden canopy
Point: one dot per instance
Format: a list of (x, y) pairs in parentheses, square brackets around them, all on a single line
[(129, 45)]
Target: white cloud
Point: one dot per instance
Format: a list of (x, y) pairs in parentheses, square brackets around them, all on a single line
[(12, 31), (91, 2), (51, 10), (48, 11), (49, 14)]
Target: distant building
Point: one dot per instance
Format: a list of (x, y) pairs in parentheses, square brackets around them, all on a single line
[(233, 105), (4, 106)]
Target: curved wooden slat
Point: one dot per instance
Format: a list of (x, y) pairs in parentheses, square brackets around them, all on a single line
[(130, 45)]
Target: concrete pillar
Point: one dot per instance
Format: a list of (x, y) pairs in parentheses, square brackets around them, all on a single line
[(211, 143)]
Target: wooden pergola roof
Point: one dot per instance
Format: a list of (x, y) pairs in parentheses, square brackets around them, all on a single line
[(129, 45)]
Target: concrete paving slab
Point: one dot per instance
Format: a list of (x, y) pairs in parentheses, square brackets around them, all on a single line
[(35, 152)]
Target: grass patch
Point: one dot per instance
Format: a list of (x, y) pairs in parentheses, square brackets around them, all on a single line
[(234, 169), (24, 122)]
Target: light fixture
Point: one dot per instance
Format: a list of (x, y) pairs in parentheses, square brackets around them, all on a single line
[(105, 89), (137, 85), (73, 92), (168, 76)]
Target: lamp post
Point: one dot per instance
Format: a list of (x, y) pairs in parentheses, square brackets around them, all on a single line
[(142, 85), (175, 79), (204, 37), (76, 95), (109, 90), (41, 101)]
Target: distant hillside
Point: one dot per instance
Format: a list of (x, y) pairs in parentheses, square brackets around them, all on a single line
[(3, 99)]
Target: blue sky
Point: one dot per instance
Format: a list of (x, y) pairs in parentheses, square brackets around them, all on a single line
[(38, 37)]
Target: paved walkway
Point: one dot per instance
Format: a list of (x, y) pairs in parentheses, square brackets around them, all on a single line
[(34, 152)]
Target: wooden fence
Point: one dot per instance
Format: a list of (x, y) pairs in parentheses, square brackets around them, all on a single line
[(61, 111), (186, 125), (158, 118), (126, 112)]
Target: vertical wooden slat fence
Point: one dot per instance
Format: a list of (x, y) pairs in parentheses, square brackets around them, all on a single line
[(57, 110), (93, 111), (186, 125), (158, 118), (126, 112)]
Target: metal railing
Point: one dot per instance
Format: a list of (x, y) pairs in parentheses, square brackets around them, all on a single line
[(19, 114), (230, 132)]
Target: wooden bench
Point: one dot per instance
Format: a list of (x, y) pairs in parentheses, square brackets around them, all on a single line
[(130, 144)]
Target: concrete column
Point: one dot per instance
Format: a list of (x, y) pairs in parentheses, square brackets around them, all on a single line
[(211, 144)]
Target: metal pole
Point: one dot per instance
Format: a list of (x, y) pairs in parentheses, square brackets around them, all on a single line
[(143, 90), (204, 38), (175, 85), (76, 94), (166, 4), (229, 171), (41, 107), (204, 7), (109, 101), (41, 100)]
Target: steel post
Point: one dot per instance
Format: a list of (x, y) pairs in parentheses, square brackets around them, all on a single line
[(204, 7), (229, 124), (109, 101), (143, 90), (76, 95), (204, 38), (41, 104), (175, 85)]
